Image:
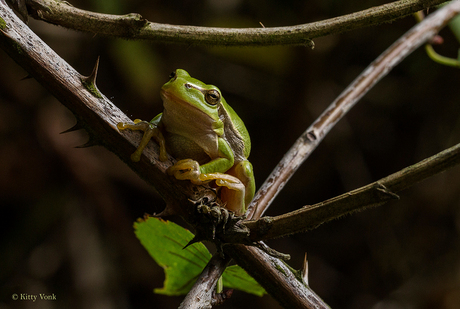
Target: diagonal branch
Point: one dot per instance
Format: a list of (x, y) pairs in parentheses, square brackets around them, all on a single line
[(380, 67), (134, 26), (99, 116), (276, 277), (374, 194), (94, 112), (200, 295), (284, 286)]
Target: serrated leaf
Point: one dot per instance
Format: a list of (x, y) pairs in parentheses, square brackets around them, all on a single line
[(165, 240)]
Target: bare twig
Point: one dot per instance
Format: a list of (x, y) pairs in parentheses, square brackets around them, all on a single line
[(374, 194), (310, 139), (199, 297), (133, 26), (276, 277)]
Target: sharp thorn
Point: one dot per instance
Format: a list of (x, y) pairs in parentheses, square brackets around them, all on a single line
[(305, 270), (93, 75), (91, 79), (28, 76), (195, 239), (76, 127), (90, 143), (383, 189)]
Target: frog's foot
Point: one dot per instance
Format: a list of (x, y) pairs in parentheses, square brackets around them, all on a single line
[(234, 190), (186, 169), (150, 130)]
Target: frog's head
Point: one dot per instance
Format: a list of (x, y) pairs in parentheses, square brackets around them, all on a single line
[(187, 94)]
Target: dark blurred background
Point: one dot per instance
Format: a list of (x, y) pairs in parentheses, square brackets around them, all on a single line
[(67, 213)]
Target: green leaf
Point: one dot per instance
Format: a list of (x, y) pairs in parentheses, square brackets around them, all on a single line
[(454, 26), (236, 277), (165, 240)]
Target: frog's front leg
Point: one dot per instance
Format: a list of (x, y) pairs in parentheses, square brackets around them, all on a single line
[(150, 130)]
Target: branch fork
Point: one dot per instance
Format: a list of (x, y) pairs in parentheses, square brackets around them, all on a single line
[(99, 116)]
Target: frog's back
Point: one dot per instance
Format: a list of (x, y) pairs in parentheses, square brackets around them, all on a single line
[(235, 133)]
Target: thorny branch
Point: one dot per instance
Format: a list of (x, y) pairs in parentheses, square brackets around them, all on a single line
[(134, 26), (99, 116), (380, 67), (374, 194), (200, 294)]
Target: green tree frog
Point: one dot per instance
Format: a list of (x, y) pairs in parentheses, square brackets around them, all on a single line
[(198, 128)]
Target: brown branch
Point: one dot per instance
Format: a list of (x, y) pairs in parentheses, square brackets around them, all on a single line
[(99, 117), (276, 277), (133, 26), (311, 138), (374, 194), (94, 112), (200, 294)]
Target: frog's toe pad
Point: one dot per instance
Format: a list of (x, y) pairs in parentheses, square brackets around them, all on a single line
[(122, 125), (186, 169)]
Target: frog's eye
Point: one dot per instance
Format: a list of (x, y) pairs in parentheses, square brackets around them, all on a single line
[(172, 75), (212, 96)]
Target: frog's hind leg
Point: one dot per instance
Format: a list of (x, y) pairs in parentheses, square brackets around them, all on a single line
[(238, 201), (234, 191), (232, 195)]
